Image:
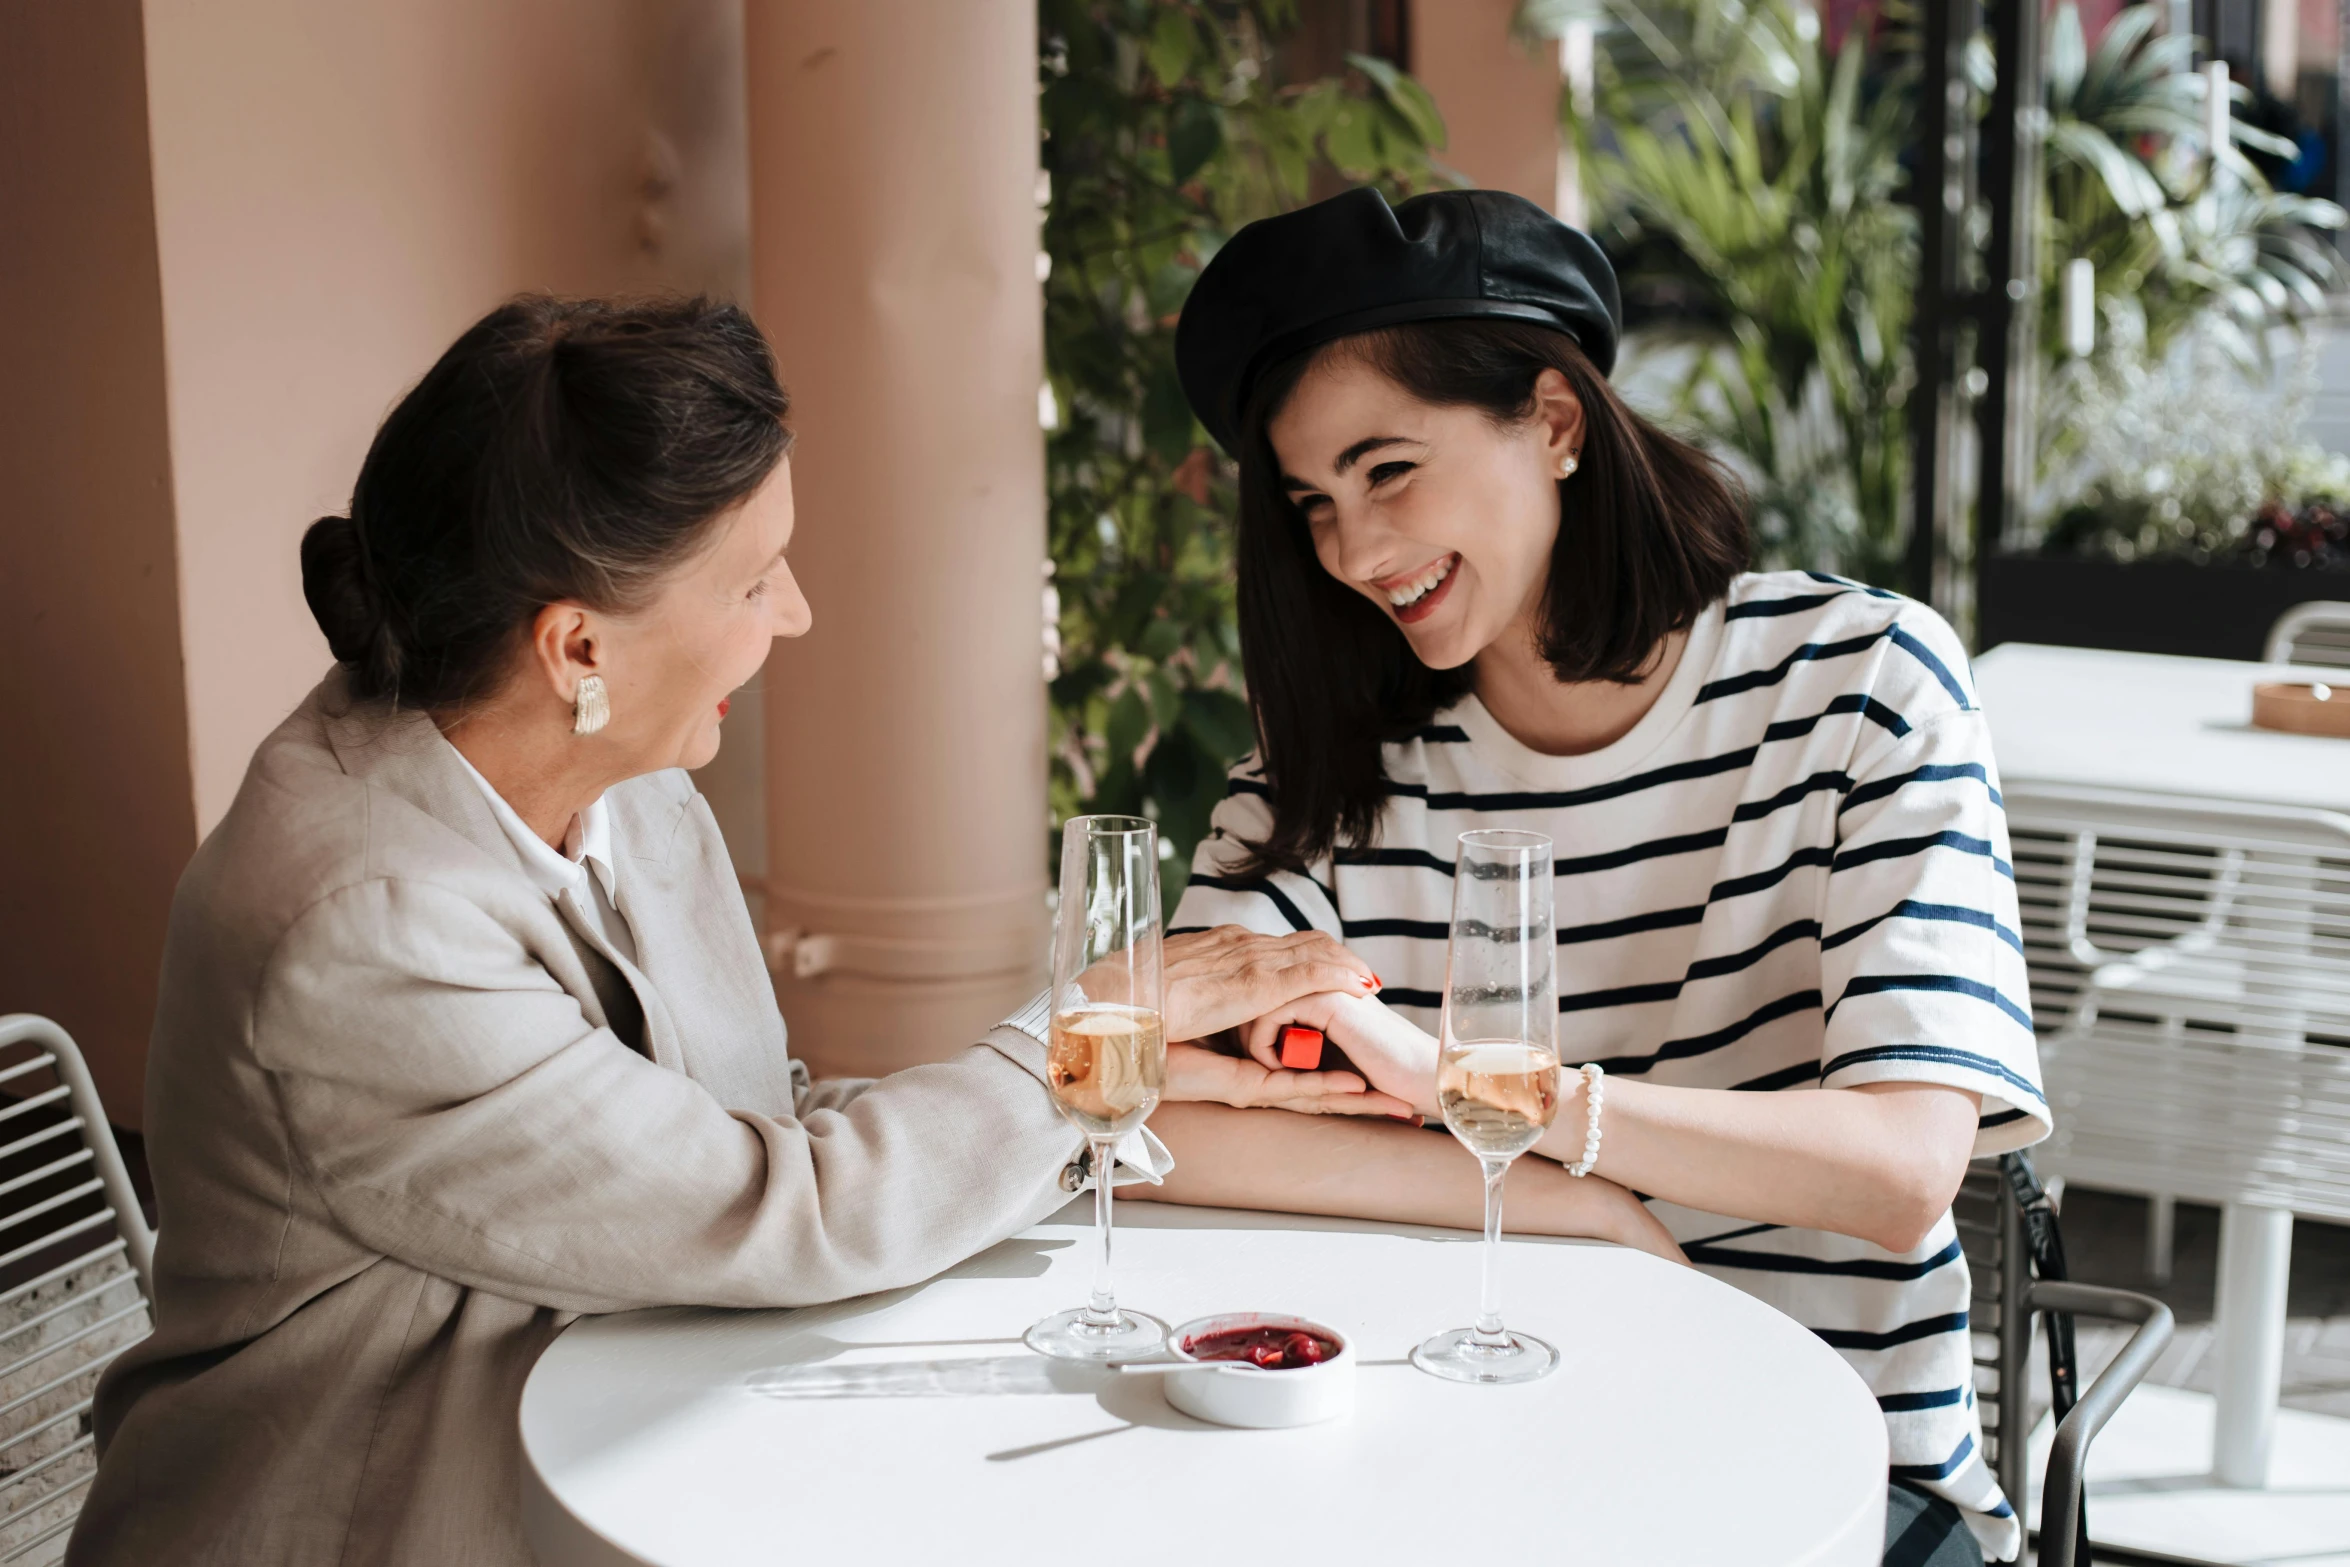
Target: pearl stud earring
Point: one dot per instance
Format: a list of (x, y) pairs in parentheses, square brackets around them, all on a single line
[(1568, 465)]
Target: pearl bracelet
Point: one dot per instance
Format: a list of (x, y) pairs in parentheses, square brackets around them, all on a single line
[(1594, 1094)]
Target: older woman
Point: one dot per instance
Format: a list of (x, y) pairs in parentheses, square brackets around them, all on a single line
[(464, 1030)]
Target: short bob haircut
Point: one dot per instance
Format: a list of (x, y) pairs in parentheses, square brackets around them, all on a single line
[(1651, 531)]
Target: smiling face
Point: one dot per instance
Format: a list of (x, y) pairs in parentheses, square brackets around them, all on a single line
[(670, 667), (1438, 514)]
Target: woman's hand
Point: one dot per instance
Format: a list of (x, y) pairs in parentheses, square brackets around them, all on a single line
[(1396, 1058), (1197, 1074), (1219, 979)]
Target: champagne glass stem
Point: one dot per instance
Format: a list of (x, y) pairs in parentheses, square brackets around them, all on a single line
[(1103, 1308), (1489, 1329)]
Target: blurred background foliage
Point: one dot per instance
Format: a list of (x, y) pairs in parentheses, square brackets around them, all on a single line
[(1746, 178), (1167, 126), (1747, 172)]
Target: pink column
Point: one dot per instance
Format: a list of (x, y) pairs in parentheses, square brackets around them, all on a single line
[(1499, 97), (894, 263)]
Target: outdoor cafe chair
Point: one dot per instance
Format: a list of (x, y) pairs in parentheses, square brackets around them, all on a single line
[(2190, 962), (2007, 1227), (2203, 1050), (76, 1277), (2312, 634)]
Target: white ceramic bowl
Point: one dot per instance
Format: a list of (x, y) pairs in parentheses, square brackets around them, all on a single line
[(1300, 1396)]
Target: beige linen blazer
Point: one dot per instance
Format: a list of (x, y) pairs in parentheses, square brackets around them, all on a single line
[(398, 1145)]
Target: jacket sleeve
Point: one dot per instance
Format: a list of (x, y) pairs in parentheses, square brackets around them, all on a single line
[(454, 1109)]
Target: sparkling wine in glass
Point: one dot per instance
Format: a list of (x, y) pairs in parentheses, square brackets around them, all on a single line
[(1497, 1074), (1107, 1062)]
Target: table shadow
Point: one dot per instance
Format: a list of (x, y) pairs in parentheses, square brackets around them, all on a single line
[(1134, 1402), (990, 1376), (1017, 1258)]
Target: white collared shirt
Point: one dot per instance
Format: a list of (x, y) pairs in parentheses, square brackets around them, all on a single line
[(586, 867)]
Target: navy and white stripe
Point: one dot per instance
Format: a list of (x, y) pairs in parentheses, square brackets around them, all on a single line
[(1792, 873)]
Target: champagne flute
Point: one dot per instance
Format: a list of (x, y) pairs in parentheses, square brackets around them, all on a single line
[(1107, 1062), (1497, 1076)]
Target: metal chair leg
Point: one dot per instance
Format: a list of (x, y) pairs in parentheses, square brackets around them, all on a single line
[(2162, 1228)]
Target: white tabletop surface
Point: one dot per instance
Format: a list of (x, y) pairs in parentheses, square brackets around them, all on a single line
[(1688, 1422), (2146, 721)]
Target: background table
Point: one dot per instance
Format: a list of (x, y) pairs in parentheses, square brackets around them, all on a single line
[(1688, 1423), (2149, 725), (2085, 716)]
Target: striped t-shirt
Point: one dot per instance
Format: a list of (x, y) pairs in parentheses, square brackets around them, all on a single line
[(1792, 873)]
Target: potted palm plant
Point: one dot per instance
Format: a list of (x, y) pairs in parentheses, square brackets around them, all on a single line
[(1748, 173), (2172, 516)]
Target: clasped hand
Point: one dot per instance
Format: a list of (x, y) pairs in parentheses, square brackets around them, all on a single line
[(1232, 978)]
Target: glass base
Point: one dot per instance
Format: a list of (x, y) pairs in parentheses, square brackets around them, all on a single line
[(1461, 1356), (1075, 1335)]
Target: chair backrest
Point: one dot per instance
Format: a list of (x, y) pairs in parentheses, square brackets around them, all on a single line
[(2190, 969), (76, 1265), (2103, 875), (2316, 634), (1990, 1230)]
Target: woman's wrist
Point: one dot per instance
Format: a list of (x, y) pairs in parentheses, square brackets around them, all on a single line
[(1570, 1127), (1389, 1050)]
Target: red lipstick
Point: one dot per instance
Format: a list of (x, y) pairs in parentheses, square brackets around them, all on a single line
[(1425, 605)]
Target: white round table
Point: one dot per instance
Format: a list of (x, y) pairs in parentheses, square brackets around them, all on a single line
[(1687, 1423)]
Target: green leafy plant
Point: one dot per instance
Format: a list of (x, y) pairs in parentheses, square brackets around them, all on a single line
[(1164, 131), (2177, 239), (1749, 178), (2178, 453)]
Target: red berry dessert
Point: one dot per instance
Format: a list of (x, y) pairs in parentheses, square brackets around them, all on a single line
[(1274, 1349)]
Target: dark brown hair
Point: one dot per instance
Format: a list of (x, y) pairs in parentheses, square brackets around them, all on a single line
[(1650, 532), (560, 450)]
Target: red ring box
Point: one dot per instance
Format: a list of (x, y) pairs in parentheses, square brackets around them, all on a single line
[(1301, 1048)]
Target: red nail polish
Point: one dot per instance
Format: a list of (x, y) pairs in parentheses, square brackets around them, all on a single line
[(1301, 1048)]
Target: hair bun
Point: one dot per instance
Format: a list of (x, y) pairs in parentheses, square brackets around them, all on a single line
[(335, 585)]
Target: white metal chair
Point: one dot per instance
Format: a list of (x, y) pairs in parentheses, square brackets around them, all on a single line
[(76, 1272), (2192, 958), (2315, 634)]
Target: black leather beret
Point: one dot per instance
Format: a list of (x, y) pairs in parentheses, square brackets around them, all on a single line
[(1351, 264)]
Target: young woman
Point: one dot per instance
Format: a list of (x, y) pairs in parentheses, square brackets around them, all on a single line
[(1477, 591)]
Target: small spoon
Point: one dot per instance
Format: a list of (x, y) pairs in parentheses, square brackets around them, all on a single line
[(1156, 1368)]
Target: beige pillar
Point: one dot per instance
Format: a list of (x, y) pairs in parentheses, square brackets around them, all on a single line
[(894, 243), (1499, 97), (96, 814), (335, 191)]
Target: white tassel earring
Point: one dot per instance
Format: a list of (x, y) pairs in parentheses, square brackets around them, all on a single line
[(591, 706), (1568, 465)]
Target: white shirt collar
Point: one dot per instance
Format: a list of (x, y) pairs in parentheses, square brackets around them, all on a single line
[(588, 843)]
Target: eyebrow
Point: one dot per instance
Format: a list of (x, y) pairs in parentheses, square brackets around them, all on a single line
[(1348, 458)]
